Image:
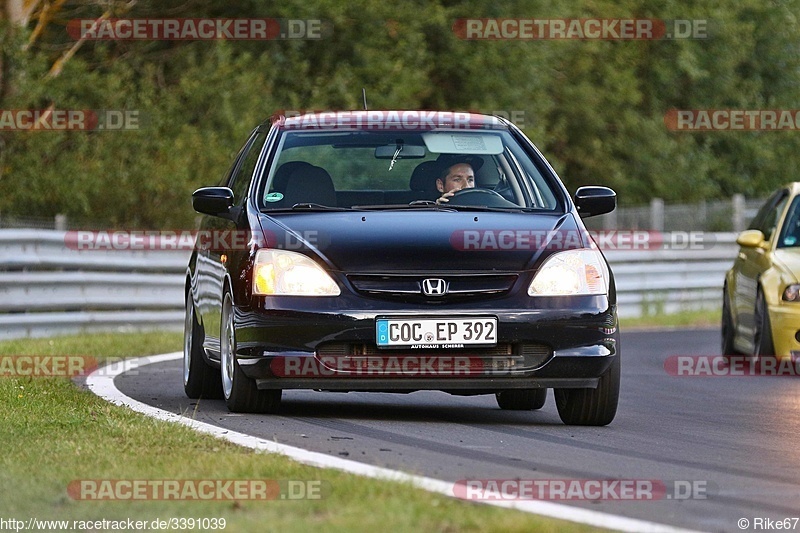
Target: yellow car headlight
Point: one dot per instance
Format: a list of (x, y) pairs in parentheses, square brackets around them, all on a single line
[(572, 272), (284, 273), (792, 293)]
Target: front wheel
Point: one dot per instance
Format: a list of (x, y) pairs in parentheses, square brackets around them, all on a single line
[(521, 400), (240, 392), (762, 339), (727, 327), (591, 407)]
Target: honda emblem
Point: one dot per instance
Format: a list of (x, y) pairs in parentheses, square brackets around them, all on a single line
[(434, 287)]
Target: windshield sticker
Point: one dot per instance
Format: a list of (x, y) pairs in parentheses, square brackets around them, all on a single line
[(273, 197)]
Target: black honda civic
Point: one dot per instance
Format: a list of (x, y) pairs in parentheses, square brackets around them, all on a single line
[(398, 251)]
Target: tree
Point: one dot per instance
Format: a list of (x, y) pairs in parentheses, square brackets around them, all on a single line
[(595, 107)]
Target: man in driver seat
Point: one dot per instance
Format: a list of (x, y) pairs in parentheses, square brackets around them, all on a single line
[(457, 173)]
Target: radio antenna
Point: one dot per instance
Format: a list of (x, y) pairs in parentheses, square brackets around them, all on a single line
[(364, 96)]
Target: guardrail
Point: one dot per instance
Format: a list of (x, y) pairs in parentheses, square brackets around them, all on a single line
[(671, 280), (47, 288)]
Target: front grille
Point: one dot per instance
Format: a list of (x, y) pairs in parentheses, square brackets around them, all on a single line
[(459, 286)]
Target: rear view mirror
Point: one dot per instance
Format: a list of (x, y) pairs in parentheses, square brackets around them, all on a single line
[(408, 151), (594, 200)]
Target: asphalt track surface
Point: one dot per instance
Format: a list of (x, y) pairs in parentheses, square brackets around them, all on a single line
[(723, 448)]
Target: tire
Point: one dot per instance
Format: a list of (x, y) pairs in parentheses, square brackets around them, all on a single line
[(521, 400), (591, 407), (727, 328), (240, 392), (199, 379), (762, 338)]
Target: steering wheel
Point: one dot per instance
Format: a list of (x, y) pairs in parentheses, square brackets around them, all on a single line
[(478, 197)]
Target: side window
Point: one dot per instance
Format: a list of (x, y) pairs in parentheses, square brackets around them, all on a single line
[(225, 182), (240, 178)]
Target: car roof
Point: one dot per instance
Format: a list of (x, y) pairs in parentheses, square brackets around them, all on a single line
[(392, 120)]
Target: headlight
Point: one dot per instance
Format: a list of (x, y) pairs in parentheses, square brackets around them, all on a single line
[(792, 293), (283, 273), (571, 272)]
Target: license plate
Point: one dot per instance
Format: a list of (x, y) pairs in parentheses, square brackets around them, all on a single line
[(436, 332)]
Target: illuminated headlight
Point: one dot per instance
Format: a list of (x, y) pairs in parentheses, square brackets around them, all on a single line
[(283, 273), (792, 293), (572, 272)]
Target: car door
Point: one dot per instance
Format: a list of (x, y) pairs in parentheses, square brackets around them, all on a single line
[(220, 233), (752, 262)]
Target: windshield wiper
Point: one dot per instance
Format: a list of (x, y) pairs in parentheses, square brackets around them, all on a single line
[(417, 204), (458, 207), (308, 207)]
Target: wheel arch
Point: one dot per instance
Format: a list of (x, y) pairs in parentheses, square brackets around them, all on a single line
[(768, 283)]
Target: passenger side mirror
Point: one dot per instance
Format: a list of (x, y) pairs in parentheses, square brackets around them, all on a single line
[(751, 238), (594, 200)]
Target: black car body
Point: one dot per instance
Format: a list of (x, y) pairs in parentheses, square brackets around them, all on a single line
[(327, 263)]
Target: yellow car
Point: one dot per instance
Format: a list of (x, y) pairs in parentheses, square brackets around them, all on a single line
[(761, 297)]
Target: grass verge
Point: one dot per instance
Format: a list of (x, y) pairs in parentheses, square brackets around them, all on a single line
[(55, 433)]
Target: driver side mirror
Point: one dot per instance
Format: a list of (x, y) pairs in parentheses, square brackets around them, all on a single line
[(594, 200), (214, 201)]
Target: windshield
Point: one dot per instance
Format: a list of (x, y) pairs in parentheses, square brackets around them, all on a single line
[(481, 169), (790, 234)]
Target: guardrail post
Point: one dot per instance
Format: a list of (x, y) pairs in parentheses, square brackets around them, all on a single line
[(657, 214), (738, 212), (61, 223)]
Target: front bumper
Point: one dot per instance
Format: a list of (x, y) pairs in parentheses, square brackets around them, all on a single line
[(573, 347)]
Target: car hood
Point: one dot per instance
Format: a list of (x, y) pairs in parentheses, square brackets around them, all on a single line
[(789, 259), (415, 241)]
